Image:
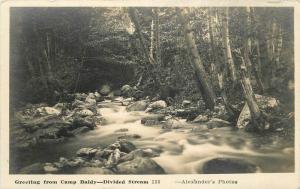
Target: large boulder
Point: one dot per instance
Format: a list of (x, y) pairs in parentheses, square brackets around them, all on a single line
[(137, 106), (139, 165), (217, 123), (267, 104), (50, 121), (228, 165), (105, 90)]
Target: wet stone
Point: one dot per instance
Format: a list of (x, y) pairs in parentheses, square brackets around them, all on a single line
[(228, 165)]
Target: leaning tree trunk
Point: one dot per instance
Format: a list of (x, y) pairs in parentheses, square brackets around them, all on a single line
[(134, 18), (226, 41), (258, 120), (257, 117), (206, 88)]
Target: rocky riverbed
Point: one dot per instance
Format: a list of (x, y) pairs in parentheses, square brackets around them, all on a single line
[(101, 133)]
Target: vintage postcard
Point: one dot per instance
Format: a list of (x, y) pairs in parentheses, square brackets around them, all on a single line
[(149, 94)]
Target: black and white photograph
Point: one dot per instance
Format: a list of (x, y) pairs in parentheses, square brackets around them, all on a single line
[(151, 90)]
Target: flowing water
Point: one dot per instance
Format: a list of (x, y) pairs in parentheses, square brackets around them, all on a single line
[(182, 150)]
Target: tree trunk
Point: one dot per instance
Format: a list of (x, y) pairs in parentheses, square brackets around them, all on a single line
[(206, 88), (247, 46), (134, 18), (257, 68), (257, 118), (157, 36), (152, 38), (47, 54), (226, 41), (212, 45), (278, 46)]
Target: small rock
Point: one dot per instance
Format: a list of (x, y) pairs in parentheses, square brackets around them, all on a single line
[(98, 97), (86, 152), (137, 106), (48, 111), (103, 154), (85, 112), (200, 119), (121, 130), (216, 123), (90, 101), (126, 90), (113, 158), (105, 90), (94, 170), (160, 104), (139, 153), (50, 168), (126, 146), (152, 120), (130, 136), (186, 103), (96, 163), (78, 103), (76, 162), (140, 165), (114, 146), (173, 123)]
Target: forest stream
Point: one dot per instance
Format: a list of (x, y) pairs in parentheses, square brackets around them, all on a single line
[(182, 150)]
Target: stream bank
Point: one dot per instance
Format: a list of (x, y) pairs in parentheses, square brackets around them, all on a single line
[(86, 136)]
